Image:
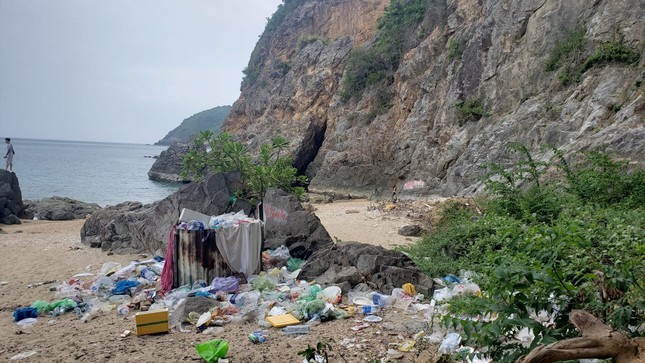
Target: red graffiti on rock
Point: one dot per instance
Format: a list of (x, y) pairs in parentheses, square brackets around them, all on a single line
[(275, 214)]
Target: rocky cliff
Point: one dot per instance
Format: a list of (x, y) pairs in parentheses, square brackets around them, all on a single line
[(418, 94)]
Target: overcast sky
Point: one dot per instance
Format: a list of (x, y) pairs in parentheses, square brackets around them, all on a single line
[(120, 70)]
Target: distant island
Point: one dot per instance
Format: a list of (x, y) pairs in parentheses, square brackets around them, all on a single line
[(211, 119)]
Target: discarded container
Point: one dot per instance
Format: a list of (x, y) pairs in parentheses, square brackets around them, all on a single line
[(332, 294), (257, 337), (370, 309), (280, 321), (151, 322), (296, 329)]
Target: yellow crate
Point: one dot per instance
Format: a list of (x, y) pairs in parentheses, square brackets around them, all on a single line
[(280, 321), (151, 322)]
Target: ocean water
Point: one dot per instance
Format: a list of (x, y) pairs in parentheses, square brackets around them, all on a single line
[(93, 172)]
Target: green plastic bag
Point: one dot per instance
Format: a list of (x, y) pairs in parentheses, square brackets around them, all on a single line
[(212, 350), (294, 263), (39, 305), (65, 303)]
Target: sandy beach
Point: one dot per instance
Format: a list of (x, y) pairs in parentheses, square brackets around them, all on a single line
[(39, 255)]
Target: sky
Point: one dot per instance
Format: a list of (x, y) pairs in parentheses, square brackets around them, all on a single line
[(120, 70)]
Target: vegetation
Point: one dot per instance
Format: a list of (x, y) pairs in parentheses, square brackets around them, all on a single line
[(455, 48), (211, 119), (271, 168), (572, 57), (538, 245), (471, 108), (281, 13), (322, 349), (305, 40), (373, 64)]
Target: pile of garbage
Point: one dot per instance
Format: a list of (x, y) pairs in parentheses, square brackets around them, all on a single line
[(273, 299)]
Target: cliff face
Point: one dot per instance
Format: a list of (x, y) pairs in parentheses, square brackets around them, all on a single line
[(473, 77)]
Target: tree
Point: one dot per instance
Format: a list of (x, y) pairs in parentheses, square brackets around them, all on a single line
[(270, 168)]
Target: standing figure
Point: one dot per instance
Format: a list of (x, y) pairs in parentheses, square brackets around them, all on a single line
[(9, 155)]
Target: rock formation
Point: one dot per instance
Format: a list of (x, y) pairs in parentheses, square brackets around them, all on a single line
[(168, 166), (59, 209), (472, 77), (11, 206)]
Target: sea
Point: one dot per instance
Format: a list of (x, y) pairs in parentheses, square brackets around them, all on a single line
[(93, 172)]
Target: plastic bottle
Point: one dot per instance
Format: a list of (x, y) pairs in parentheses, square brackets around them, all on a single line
[(123, 310), (296, 329), (370, 309), (148, 274)]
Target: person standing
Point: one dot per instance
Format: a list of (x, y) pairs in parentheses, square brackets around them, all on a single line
[(9, 155)]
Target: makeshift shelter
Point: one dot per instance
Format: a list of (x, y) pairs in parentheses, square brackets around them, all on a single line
[(204, 247)]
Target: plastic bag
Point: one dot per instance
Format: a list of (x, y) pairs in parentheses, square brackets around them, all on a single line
[(261, 283), (228, 284), (212, 350), (450, 343), (294, 263)]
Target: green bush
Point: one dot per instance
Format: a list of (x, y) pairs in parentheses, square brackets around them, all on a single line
[(569, 56), (544, 245), (270, 168), (378, 62), (472, 108)]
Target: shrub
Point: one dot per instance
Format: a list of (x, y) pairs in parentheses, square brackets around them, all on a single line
[(544, 246), (270, 168), (572, 47), (471, 108), (380, 61)]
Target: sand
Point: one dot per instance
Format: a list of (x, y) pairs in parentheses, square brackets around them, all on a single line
[(43, 251)]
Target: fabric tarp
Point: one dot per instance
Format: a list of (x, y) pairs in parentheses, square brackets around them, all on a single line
[(240, 246)]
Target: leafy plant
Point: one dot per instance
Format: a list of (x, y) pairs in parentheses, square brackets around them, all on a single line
[(539, 254), (378, 62), (322, 348), (305, 40), (471, 108), (570, 48), (455, 48), (271, 167)]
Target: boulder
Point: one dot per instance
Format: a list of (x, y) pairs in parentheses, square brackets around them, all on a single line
[(59, 209), (288, 223), (411, 230), (351, 264), (132, 227), (11, 205), (168, 166)]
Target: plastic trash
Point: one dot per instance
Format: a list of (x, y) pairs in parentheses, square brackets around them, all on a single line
[(379, 299), (257, 337), (212, 350), (27, 322), (228, 284), (23, 355), (123, 287), (332, 294), (450, 343), (123, 310), (148, 274), (296, 329), (369, 309), (24, 313)]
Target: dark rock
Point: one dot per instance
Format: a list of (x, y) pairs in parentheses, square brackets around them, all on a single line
[(411, 230), (11, 205), (359, 264), (288, 223), (168, 166), (59, 209)]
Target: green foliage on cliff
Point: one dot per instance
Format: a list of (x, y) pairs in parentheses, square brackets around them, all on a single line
[(211, 119), (574, 240), (573, 58), (281, 13), (371, 65), (471, 108), (270, 168)]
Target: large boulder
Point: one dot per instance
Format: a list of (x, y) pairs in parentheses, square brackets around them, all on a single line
[(59, 209), (135, 227), (288, 223), (11, 206), (168, 166), (349, 264)]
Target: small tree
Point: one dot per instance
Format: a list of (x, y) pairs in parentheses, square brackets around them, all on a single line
[(270, 168)]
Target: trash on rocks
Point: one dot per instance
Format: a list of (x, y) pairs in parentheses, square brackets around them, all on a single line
[(373, 319), (212, 350), (31, 286), (360, 326), (407, 346), (125, 333)]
